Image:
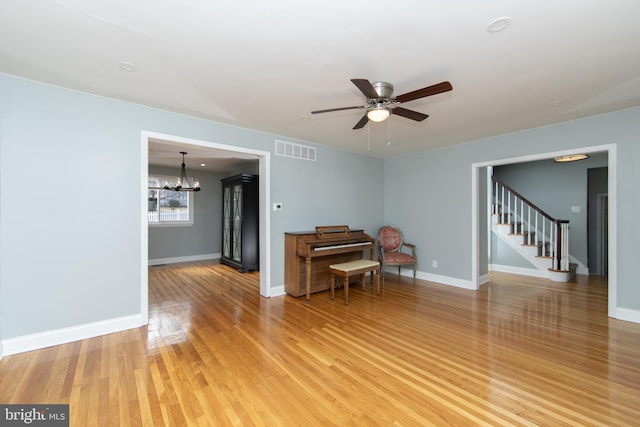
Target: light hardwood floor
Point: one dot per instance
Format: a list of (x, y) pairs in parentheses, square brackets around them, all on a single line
[(520, 351)]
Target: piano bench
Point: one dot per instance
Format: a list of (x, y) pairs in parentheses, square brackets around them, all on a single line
[(352, 268)]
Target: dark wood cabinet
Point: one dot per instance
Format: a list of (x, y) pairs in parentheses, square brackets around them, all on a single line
[(240, 222)]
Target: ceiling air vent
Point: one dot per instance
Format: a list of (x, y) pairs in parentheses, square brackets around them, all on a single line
[(297, 151)]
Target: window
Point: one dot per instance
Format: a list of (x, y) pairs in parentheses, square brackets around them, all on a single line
[(166, 207)]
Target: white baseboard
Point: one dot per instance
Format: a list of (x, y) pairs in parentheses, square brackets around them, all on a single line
[(444, 280), (66, 335), (533, 272), (277, 291), (628, 314), (582, 270), (173, 260)]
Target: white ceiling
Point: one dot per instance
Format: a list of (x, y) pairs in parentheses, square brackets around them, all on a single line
[(266, 65), (198, 158)]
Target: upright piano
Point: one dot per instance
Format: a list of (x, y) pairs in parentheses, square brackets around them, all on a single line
[(308, 255)]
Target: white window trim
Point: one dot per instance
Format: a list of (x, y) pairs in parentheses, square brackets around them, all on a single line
[(162, 224)]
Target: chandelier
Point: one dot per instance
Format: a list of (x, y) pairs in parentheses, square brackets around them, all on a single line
[(183, 183)]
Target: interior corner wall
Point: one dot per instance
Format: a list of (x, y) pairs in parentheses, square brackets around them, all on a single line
[(434, 208), (70, 248)]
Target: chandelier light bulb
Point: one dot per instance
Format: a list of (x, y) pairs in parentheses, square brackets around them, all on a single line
[(182, 180)]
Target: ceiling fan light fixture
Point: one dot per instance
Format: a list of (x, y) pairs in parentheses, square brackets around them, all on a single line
[(378, 114), (381, 102)]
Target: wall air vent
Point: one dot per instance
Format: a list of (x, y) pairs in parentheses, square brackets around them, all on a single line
[(298, 151)]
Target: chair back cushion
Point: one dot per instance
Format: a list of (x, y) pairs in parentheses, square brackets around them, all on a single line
[(389, 238)]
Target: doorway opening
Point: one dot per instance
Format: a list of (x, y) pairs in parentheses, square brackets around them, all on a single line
[(264, 212), (480, 216)]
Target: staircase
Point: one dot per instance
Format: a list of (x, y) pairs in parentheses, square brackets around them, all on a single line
[(535, 235)]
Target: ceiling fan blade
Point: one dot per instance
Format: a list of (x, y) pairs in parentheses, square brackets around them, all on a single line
[(366, 87), (337, 109), (363, 121), (409, 114), (425, 91)]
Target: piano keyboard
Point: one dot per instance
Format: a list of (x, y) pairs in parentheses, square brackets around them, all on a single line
[(346, 245), (308, 254)]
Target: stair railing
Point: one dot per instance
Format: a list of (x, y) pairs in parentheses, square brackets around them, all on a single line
[(508, 203)]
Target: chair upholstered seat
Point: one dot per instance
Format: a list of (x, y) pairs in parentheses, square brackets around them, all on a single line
[(398, 258)]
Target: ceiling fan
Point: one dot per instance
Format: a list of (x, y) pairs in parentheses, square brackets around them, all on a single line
[(381, 103)]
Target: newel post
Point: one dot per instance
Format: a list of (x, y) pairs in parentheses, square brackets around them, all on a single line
[(562, 245), (558, 245)]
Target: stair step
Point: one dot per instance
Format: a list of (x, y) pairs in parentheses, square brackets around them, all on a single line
[(523, 235), (537, 252)]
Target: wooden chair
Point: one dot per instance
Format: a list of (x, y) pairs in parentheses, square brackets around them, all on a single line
[(390, 246)]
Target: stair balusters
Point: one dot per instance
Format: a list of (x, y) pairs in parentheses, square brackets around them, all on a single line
[(552, 240)]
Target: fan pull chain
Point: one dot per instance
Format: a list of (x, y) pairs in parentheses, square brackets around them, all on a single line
[(389, 131), (369, 138)]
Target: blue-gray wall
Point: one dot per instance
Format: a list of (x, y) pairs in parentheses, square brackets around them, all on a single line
[(428, 194), (70, 173), (70, 220)]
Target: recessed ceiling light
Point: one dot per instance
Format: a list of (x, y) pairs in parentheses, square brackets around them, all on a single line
[(499, 24), (556, 102), (570, 158), (127, 66), (203, 164)]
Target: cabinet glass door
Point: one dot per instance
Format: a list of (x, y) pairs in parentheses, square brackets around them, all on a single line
[(226, 222), (237, 223)]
